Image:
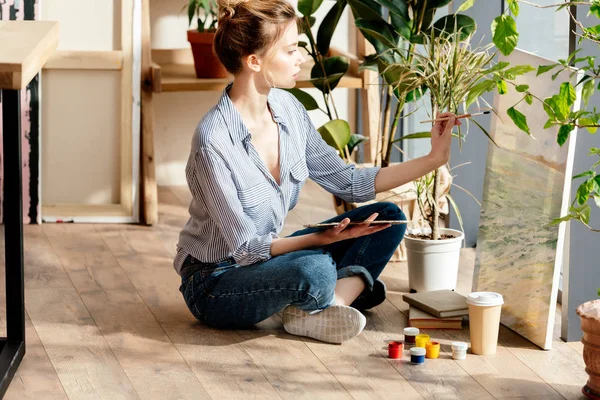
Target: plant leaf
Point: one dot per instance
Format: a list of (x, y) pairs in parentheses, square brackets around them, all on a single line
[(383, 32), (563, 134), (497, 67), (522, 88), (567, 93), (480, 88), (519, 119), (399, 8), (485, 132), (306, 99), (335, 68), (466, 5), (502, 87), (589, 122), (328, 26), (514, 7), (518, 70), (505, 35), (456, 211), (308, 7), (453, 23), (355, 140), (545, 68), (336, 133), (582, 194), (588, 90), (586, 173), (529, 99)]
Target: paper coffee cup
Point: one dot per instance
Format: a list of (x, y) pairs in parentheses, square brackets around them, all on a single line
[(484, 321)]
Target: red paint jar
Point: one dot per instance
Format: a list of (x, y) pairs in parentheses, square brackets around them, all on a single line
[(395, 349)]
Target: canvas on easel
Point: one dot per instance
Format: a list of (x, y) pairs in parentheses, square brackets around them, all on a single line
[(526, 186)]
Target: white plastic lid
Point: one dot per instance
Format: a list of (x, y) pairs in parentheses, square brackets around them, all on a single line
[(417, 351), (411, 331), (460, 345), (485, 299)]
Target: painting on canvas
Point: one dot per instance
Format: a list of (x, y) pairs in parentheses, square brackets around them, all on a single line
[(527, 181)]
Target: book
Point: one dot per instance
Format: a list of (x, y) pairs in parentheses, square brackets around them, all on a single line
[(439, 303), (422, 320)]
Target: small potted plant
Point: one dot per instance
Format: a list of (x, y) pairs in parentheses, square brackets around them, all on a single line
[(206, 63), (453, 73)]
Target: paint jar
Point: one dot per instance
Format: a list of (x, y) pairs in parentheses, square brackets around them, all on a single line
[(432, 349), (410, 334), (395, 349), (459, 350), (421, 340), (417, 355)]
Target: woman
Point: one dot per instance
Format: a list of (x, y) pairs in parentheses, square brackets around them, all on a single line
[(250, 156)]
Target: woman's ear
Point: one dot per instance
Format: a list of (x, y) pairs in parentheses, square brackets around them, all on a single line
[(253, 62)]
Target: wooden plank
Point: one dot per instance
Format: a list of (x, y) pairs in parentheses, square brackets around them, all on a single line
[(370, 102), (149, 191), (86, 60), (214, 356), (26, 46), (126, 105), (82, 359), (156, 74), (148, 357), (86, 213), (36, 377), (182, 77)]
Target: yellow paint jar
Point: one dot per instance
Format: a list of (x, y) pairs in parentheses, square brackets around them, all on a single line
[(421, 340), (432, 350)]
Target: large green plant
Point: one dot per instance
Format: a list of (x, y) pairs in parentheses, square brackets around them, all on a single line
[(559, 107), (325, 75)]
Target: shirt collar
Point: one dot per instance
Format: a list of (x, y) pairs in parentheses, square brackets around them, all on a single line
[(236, 127)]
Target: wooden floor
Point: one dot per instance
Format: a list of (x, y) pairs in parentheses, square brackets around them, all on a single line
[(105, 320)]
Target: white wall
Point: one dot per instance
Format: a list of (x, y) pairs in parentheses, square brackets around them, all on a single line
[(177, 114)]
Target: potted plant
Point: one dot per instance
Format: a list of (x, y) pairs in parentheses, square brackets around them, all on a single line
[(559, 109), (415, 57), (206, 63)]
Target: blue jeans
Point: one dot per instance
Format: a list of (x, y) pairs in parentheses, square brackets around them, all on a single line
[(226, 295)]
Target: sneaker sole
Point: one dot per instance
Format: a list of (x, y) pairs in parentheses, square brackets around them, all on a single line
[(335, 324)]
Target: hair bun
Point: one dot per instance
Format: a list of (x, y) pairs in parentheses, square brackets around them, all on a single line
[(228, 8)]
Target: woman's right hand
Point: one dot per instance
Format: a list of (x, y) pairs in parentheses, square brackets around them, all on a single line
[(441, 137), (343, 231)]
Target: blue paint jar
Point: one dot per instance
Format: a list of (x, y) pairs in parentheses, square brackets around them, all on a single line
[(417, 355)]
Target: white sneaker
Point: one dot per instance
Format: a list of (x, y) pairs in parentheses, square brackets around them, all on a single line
[(334, 324)]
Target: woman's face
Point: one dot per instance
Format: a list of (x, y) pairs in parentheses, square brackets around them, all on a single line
[(284, 59)]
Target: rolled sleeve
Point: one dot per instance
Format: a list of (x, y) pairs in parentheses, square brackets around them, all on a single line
[(328, 169), (218, 193)]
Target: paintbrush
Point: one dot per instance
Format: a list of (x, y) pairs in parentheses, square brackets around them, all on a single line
[(469, 115)]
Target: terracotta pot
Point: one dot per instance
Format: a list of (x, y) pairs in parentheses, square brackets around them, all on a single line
[(206, 62), (589, 313)]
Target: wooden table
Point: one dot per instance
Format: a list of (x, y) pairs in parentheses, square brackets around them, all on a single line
[(25, 46)]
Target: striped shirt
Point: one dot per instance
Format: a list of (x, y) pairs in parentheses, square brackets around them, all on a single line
[(237, 207)]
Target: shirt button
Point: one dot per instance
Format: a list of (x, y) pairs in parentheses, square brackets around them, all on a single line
[(244, 253)]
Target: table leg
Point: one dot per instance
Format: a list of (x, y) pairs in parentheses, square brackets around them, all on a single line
[(13, 346)]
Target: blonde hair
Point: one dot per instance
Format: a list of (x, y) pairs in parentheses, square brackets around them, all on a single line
[(249, 27)]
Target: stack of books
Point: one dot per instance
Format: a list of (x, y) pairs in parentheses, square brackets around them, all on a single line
[(440, 309)]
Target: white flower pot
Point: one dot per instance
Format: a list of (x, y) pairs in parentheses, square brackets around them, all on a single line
[(433, 264)]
